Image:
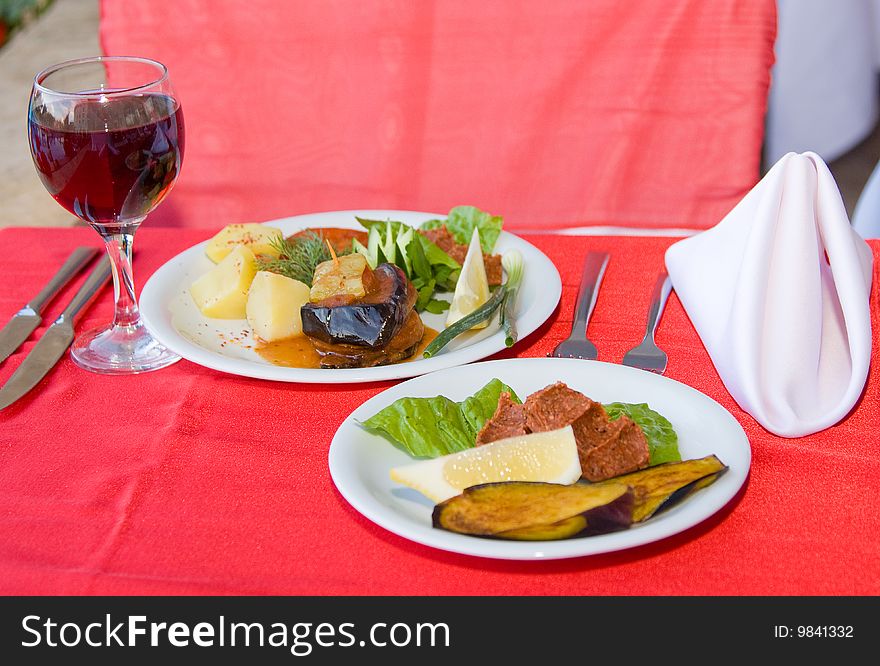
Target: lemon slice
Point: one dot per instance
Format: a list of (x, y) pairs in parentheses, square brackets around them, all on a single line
[(551, 457), (472, 288)]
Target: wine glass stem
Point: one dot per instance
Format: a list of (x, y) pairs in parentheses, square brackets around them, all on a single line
[(119, 243)]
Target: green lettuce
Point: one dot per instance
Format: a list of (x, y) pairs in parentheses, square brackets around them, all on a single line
[(462, 221), (433, 427), (662, 440)]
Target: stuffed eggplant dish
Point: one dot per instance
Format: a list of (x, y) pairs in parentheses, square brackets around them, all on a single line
[(345, 298), (358, 317)]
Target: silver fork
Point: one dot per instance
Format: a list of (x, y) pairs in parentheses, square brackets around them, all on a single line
[(647, 355), (577, 345)]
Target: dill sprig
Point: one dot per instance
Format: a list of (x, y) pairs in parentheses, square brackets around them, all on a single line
[(298, 257)]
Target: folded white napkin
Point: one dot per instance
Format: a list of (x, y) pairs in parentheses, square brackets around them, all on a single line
[(778, 291)]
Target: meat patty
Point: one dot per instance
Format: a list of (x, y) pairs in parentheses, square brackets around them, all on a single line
[(446, 242), (339, 238), (623, 450), (509, 420), (606, 448)]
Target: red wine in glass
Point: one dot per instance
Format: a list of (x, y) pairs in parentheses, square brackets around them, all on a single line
[(111, 159), (107, 139)]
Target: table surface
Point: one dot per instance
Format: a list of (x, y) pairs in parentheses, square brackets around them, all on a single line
[(189, 481)]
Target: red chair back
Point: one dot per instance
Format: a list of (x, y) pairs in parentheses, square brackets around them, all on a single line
[(552, 114)]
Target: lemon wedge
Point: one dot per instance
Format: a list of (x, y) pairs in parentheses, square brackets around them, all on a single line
[(472, 288), (551, 457)]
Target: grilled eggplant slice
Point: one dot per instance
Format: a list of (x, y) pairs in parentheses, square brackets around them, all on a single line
[(370, 321), (662, 486), (564, 529), (527, 511), (536, 511), (611, 517)]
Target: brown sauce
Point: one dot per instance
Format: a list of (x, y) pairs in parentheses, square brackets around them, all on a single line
[(291, 353), (299, 352), (429, 335)]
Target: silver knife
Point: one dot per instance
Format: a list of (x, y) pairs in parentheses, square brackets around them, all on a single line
[(55, 341), (26, 320)]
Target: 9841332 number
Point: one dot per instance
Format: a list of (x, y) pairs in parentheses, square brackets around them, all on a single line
[(824, 631)]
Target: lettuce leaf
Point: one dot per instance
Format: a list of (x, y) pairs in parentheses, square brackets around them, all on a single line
[(434, 255), (433, 427), (662, 440), (461, 223), (480, 407)]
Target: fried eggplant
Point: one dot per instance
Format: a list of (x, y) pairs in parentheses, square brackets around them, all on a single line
[(536, 511), (660, 487)]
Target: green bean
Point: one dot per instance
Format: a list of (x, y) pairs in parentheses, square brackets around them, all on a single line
[(478, 316)]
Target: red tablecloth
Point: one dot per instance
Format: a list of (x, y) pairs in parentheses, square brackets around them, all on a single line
[(557, 113), (191, 481)]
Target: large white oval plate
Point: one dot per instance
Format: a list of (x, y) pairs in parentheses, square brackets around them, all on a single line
[(170, 314), (360, 461)]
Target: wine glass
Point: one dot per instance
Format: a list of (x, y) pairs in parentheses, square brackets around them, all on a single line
[(107, 139)]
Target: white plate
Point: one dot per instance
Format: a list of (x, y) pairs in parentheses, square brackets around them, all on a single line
[(360, 461), (170, 314)]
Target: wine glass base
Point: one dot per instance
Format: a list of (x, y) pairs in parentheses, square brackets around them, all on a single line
[(120, 350)]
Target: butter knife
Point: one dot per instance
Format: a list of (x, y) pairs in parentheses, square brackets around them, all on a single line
[(55, 341), (26, 320)]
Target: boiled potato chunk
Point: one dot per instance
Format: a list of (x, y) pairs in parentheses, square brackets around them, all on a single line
[(222, 292), (257, 237), (273, 306)]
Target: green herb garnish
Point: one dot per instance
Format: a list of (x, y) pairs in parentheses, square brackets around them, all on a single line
[(299, 257)]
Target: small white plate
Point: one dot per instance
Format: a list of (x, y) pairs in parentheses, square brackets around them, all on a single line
[(360, 461), (170, 314)]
